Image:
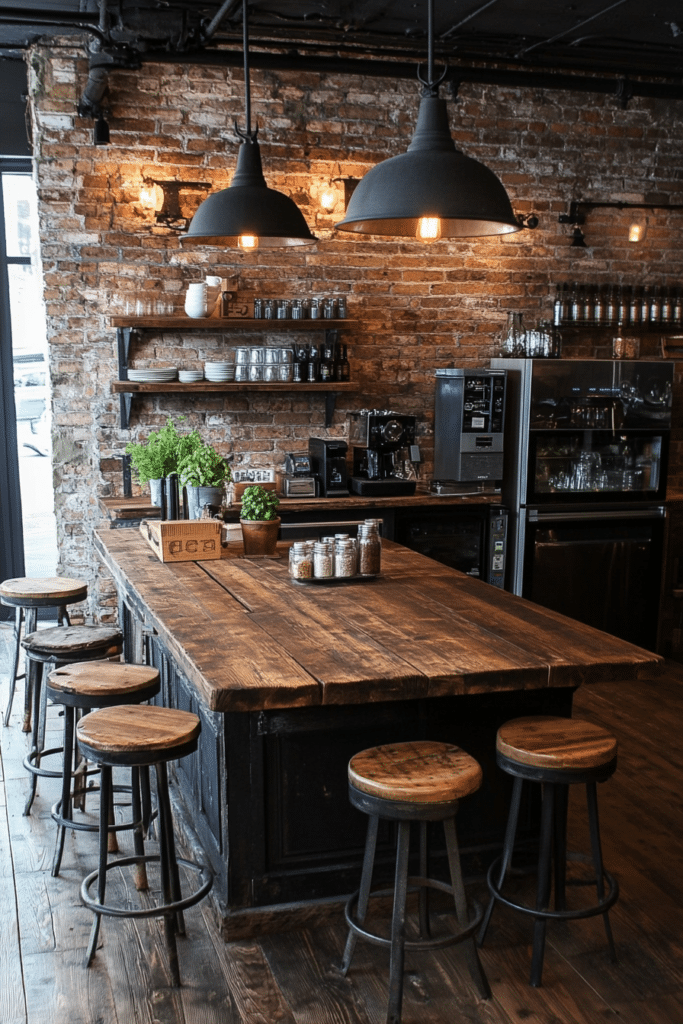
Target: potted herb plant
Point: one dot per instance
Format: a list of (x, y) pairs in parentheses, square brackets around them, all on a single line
[(203, 472), (160, 455), (259, 520)]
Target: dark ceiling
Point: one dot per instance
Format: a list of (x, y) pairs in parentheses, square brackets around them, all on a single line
[(631, 40)]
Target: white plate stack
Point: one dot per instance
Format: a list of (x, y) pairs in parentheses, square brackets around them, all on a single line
[(150, 375), (190, 376), (219, 372)]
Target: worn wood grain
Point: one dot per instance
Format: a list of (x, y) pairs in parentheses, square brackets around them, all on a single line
[(61, 588), (417, 772), (547, 742), (248, 637)]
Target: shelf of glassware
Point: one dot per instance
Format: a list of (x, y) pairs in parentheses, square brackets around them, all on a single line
[(127, 326)]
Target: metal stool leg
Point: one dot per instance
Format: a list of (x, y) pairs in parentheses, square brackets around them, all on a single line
[(365, 884), (560, 846), (141, 882), (543, 882), (460, 900), (423, 896), (105, 792), (594, 826), (30, 624), (167, 882), (398, 925), (34, 672), (18, 619), (65, 804), (508, 848)]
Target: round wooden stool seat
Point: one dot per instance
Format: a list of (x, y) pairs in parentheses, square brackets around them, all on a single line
[(46, 591), (96, 683), (557, 743), (420, 772), (134, 734), (64, 641)]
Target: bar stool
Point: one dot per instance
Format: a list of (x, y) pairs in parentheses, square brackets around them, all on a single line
[(557, 752), (138, 736), (58, 646), (80, 687), (26, 596), (406, 782)]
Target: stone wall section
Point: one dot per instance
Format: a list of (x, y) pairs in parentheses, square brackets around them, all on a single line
[(418, 307)]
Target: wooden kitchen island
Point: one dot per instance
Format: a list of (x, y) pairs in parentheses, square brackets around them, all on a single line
[(291, 679)]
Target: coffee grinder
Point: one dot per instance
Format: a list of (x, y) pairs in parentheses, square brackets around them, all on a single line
[(384, 444), (328, 464)]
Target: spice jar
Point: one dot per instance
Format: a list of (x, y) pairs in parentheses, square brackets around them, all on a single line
[(369, 550), (323, 560), (300, 561)]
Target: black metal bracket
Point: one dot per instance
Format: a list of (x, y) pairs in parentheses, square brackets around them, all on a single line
[(330, 403), (124, 338)]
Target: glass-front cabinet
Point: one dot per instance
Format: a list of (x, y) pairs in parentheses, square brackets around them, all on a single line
[(598, 431)]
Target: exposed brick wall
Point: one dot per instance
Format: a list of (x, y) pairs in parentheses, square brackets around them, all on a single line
[(419, 307)]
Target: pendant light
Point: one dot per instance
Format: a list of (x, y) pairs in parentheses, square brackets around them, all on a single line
[(248, 213), (433, 190)]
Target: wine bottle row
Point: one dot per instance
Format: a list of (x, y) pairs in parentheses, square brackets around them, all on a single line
[(611, 305)]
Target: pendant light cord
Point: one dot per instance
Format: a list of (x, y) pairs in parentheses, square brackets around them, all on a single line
[(431, 85), (247, 133)]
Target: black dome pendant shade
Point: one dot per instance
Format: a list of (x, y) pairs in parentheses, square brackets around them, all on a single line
[(248, 209), (433, 179)]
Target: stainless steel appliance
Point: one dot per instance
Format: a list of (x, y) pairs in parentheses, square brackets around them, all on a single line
[(585, 479), (469, 410), (328, 464), (384, 452), (472, 539), (297, 481)]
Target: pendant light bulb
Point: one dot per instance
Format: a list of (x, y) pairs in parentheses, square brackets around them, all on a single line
[(248, 242), (428, 229)]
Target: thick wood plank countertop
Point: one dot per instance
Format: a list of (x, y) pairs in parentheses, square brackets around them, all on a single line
[(248, 637)]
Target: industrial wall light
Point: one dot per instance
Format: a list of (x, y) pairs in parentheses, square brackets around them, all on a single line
[(163, 198), (248, 214), (637, 225), (433, 190), (331, 195)]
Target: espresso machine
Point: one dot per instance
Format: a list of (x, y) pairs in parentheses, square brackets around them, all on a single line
[(469, 414), (384, 453), (328, 465)]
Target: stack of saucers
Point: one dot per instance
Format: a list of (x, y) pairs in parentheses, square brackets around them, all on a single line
[(152, 375), (190, 376), (219, 372)]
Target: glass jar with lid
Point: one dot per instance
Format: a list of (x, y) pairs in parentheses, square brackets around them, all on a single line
[(323, 560), (345, 558), (369, 550), (300, 561)]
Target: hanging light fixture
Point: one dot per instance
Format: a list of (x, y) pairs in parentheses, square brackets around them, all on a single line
[(248, 213), (433, 190)]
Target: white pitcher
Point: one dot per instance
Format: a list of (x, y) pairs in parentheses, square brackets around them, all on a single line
[(196, 299), (213, 296)]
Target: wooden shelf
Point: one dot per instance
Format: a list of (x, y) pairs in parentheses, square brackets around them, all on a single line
[(179, 323), (135, 388)]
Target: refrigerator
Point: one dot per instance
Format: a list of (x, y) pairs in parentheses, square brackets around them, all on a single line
[(584, 479)]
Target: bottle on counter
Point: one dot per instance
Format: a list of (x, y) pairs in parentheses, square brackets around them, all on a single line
[(677, 308), (623, 304), (655, 306), (634, 311), (558, 309), (666, 306), (599, 307), (645, 306)]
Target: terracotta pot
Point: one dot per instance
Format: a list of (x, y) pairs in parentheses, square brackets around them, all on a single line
[(260, 536)]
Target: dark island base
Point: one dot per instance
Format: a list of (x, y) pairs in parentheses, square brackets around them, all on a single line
[(271, 787)]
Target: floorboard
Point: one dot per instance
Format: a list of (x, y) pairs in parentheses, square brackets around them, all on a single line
[(294, 978)]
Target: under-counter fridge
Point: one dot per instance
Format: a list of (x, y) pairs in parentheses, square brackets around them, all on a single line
[(586, 449)]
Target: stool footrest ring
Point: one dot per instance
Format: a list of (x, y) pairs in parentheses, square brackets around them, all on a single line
[(84, 826), (414, 884), (162, 909), (35, 769), (600, 907)]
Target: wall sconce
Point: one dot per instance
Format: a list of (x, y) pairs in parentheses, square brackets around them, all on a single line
[(163, 198), (637, 228), (330, 196)]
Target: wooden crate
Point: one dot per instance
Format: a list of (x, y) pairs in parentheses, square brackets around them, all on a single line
[(237, 488), (183, 540)]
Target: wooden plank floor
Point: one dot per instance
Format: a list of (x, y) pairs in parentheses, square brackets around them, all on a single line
[(294, 979)]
